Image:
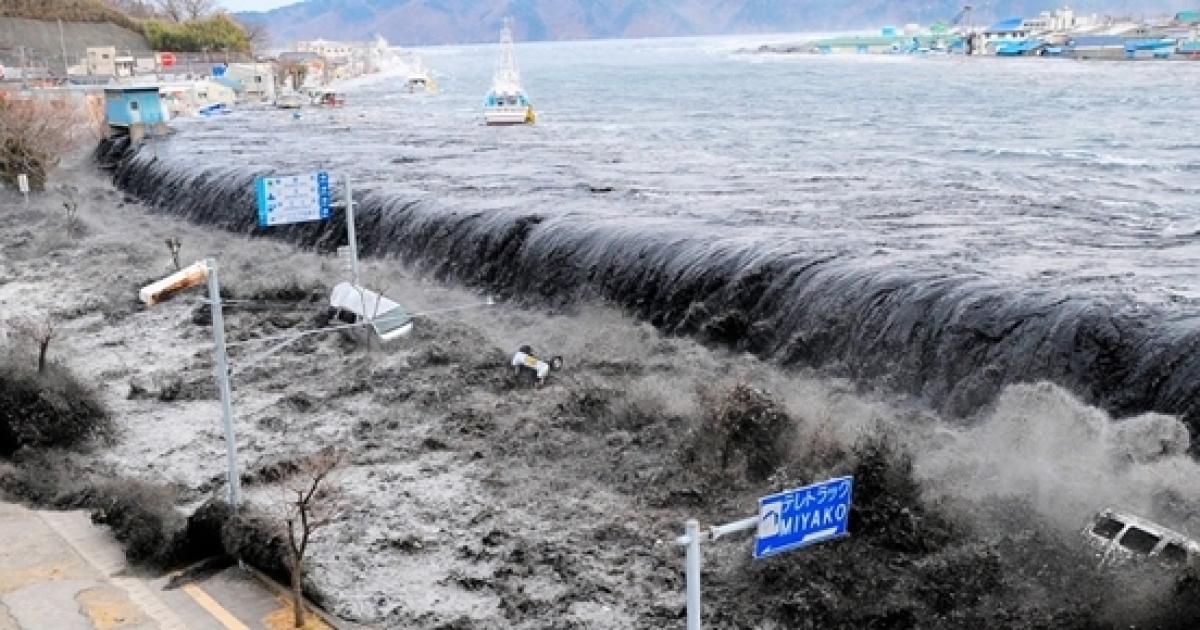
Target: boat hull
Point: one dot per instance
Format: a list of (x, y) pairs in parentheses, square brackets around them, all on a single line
[(498, 117)]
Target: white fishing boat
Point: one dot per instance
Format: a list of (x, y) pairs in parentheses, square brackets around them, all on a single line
[(418, 80), (506, 103)]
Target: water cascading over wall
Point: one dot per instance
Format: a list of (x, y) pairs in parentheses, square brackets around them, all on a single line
[(953, 340)]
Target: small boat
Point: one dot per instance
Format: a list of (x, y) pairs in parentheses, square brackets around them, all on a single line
[(330, 98), (215, 109), (289, 101), (506, 103), (419, 80)]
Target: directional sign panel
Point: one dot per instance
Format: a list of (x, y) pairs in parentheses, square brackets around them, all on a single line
[(292, 199), (804, 516)]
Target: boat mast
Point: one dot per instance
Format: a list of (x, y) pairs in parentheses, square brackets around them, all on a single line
[(507, 74)]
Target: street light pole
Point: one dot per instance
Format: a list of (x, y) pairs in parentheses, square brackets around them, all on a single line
[(222, 373)]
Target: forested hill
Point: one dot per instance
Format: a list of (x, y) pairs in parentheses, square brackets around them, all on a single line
[(407, 22)]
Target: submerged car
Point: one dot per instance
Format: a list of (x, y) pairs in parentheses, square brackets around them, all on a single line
[(351, 304), (1121, 538)]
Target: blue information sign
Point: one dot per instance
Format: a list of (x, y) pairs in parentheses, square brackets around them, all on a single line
[(292, 199), (804, 516)]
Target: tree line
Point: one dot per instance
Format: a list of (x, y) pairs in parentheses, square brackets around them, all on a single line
[(174, 25)]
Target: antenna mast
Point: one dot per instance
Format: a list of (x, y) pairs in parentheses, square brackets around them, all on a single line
[(507, 74)]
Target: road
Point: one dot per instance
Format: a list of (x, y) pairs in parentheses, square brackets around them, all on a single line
[(58, 570)]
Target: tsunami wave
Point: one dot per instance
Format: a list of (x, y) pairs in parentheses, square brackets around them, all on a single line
[(955, 340)]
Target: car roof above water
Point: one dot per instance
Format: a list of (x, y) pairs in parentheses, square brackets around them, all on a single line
[(1132, 520)]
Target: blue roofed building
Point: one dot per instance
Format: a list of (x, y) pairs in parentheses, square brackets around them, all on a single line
[(1006, 32), (137, 111)]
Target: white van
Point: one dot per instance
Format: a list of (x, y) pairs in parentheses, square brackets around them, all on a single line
[(350, 304), (1122, 538)]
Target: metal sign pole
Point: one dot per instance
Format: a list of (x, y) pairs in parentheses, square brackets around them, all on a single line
[(351, 238), (222, 368), (786, 520), (691, 531)]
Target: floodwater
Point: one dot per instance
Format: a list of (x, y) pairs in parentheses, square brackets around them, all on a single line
[(1077, 176), (947, 224), (944, 227)]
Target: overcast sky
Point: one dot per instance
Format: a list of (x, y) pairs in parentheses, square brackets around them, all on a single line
[(253, 5)]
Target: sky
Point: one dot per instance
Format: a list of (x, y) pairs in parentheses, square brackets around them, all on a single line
[(253, 5)]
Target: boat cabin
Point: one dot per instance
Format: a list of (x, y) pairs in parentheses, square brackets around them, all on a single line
[(506, 99)]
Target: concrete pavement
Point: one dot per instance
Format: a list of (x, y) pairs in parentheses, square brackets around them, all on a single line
[(58, 570)]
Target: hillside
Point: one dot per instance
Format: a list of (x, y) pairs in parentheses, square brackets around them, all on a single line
[(40, 44), (409, 22), (65, 10)]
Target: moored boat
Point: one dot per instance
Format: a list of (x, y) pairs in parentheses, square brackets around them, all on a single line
[(506, 103)]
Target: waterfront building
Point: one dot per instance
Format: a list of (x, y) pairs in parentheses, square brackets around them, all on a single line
[(135, 110)]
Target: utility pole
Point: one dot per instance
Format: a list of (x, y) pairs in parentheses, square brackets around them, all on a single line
[(222, 373), (350, 234), (63, 43)]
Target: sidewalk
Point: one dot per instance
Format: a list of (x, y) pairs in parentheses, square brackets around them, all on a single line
[(58, 570)]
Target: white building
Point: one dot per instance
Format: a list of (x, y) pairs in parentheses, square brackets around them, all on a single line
[(1065, 20), (328, 49), (257, 79), (102, 61)]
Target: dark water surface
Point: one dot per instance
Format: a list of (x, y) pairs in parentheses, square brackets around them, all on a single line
[(949, 225)]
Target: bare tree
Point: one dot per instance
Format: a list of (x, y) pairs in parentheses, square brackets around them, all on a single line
[(311, 501), (173, 245), (257, 34), (34, 135), (170, 9), (196, 9), (41, 331), (139, 9)]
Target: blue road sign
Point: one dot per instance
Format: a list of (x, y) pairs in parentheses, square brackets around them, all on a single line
[(804, 516), (293, 199)]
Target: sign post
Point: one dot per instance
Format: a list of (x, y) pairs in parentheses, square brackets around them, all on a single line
[(23, 185), (786, 520), (300, 198)]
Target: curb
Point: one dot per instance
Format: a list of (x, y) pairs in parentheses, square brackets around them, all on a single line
[(286, 593)]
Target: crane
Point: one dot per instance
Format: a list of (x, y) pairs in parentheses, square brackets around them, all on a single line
[(962, 17)]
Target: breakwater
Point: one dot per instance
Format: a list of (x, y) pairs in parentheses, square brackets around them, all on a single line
[(953, 339)]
